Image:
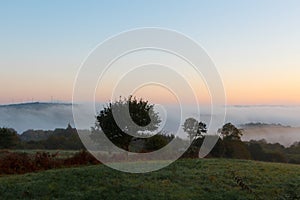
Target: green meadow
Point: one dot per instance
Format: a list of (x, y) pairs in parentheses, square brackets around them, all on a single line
[(184, 179)]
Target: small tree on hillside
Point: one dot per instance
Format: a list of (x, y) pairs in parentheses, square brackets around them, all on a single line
[(229, 131), (202, 129), (194, 129)]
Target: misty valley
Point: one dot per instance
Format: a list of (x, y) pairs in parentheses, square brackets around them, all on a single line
[(241, 154)]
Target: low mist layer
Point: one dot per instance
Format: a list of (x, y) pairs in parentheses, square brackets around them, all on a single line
[(48, 116)]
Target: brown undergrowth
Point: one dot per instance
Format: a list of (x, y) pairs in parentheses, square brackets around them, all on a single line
[(21, 163)]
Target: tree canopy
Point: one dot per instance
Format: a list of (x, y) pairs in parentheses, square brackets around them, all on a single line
[(229, 131), (8, 138), (141, 113), (194, 129)]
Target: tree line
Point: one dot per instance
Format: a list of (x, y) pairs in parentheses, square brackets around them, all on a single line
[(67, 139), (229, 145)]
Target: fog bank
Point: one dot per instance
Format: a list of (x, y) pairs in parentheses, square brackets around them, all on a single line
[(48, 116)]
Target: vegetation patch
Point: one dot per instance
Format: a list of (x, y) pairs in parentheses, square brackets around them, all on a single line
[(184, 179)]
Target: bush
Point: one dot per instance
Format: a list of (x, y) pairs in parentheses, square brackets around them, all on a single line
[(20, 163), (81, 158), (44, 161), (156, 142), (193, 150), (8, 138), (16, 163), (236, 149)]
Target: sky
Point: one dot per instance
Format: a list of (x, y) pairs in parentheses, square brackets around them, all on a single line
[(255, 45)]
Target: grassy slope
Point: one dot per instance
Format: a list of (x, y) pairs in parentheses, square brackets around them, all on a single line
[(185, 179)]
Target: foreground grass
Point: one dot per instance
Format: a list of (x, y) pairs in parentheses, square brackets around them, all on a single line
[(185, 179)]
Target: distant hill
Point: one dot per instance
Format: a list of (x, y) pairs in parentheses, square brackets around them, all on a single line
[(36, 115), (35, 135), (34, 105), (259, 124), (272, 133), (38, 135)]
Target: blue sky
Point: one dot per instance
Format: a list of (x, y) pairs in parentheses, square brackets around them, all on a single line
[(255, 44)]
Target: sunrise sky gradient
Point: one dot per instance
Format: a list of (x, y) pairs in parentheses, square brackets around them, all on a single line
[(254, 44)]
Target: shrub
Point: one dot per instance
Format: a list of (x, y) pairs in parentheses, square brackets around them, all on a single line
[(81, 158), (16, 163), (44, 161), (20, 163)]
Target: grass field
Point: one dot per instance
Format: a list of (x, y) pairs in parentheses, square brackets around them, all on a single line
[(184, 179)]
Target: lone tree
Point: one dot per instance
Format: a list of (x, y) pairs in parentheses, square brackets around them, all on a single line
[(194, 129), (229, 131), (141, 113)]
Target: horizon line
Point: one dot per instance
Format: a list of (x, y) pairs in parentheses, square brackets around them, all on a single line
[(70, 103)]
